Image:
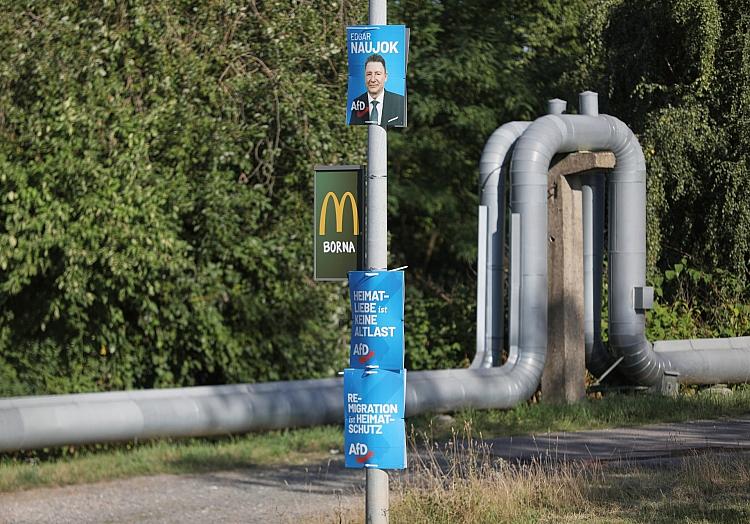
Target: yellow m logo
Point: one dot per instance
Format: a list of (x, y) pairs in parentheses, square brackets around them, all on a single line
[(339, 209)]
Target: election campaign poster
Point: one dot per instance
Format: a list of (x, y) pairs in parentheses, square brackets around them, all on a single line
[(374, 431), (377, 75), (377, 300)]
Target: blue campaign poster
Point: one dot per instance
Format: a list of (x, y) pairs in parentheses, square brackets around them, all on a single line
[(377, 75), (374, 431), (377, 302)]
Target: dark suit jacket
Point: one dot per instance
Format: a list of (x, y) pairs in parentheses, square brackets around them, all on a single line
[(392, 111)]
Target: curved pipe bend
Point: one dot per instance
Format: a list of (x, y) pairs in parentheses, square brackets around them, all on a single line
[(696, 361), (554, 134)]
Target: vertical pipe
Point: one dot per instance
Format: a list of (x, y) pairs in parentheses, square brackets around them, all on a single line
[(515, 287), (480, 354), (588, 103), (593, 248), (495, 251), (555, 106), (492, 171), (597, 357), (626, 188), (376, 492)]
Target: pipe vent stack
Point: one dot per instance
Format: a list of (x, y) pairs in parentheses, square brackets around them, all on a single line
[(556, 106)]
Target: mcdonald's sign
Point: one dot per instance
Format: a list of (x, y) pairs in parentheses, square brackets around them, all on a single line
[(338, 221)]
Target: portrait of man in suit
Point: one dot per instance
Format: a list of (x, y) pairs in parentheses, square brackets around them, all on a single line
[(377, 106)]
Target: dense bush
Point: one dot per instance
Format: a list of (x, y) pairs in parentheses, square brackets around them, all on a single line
[(156, 173), (678, 72)]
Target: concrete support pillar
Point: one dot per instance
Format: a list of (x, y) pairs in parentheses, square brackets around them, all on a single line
[(563, 379)]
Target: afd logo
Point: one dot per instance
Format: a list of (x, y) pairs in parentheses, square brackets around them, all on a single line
[(338, 206), (363, 351), (361, 452)]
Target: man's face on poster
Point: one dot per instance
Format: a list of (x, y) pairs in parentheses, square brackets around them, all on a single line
[(375, 78)]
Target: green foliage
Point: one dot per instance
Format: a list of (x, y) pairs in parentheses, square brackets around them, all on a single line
[(678, 72), (441, 326), (155, 173), (155, 166), (472, 67), (691, 303)]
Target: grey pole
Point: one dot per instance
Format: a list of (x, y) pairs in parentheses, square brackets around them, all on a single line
[(376, 491), (377, 198)]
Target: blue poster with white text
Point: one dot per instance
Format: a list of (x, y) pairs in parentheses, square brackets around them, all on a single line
[(377, 75), (374, 431), (377, 300)]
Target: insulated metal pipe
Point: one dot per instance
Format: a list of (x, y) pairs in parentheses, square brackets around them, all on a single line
[(534, 151), (588, 103), (592, 197), (46, 421), (482, 357), (707, 361), (697, 361), (556, 106), (492, 169)]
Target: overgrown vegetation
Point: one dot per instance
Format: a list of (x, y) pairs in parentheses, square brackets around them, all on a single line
[(678, 72), (461, 481), (701, 304), (155, 166), (156, 159)]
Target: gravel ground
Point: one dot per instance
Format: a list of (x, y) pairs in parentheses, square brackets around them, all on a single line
[(281, 494)]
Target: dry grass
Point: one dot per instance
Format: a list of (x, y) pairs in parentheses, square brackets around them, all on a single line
[(462, 482)]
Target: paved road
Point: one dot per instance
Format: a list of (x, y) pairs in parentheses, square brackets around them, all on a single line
[(652, 442), (293, 494)]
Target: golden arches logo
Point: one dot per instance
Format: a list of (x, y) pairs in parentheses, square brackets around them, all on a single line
[(338, 206)]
